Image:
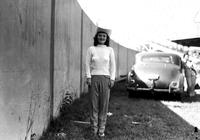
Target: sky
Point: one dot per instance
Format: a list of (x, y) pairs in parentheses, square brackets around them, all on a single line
[(134, 22)]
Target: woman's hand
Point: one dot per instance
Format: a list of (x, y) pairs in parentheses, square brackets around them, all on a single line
[(88, 81), (112, 82)]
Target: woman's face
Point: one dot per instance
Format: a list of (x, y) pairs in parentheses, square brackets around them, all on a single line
[(101, 37)]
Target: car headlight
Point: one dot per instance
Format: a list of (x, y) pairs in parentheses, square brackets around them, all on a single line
[(174, 84), (131, 75), (132, 81)]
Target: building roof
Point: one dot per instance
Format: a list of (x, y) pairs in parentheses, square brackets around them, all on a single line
[(188, 42)]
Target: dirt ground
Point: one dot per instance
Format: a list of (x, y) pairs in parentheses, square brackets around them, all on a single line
[(188, 109)]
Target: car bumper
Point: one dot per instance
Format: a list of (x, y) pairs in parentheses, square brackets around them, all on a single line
[(170, 90)]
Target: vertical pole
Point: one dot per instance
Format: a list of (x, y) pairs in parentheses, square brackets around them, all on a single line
[(52, 58), (81, 58), (118, 55), (127, 61)]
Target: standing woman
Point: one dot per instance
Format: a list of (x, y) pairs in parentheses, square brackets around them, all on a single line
[(100, 73)]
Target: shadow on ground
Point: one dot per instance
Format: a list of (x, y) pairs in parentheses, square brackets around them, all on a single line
[(167, 97)]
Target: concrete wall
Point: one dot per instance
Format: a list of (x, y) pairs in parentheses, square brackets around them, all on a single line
[(130, 58), (122, 58), (26, 67), (88, 31), (67, 51), (115, 47)]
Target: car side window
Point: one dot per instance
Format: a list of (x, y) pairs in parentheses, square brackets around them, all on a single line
[(157, 59)]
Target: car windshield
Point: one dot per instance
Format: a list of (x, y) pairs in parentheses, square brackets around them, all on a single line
[(160, 59)]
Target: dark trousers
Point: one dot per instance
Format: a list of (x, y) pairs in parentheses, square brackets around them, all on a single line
[(191, 80), (99, 101)]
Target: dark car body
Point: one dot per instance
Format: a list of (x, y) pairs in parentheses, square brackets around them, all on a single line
[(156, 71)]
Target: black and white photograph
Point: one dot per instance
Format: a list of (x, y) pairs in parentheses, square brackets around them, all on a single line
[(99, 70)]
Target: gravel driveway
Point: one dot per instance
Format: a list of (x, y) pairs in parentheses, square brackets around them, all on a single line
[(188, 109)]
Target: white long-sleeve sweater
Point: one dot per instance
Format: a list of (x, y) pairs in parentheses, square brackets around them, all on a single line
[(100, 60)]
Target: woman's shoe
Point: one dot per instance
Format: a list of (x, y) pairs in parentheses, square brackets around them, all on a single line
[(101, 134)]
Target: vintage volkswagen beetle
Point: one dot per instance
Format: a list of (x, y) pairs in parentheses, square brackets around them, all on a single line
[(156, 72)]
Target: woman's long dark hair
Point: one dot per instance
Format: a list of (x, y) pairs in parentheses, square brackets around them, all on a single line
[(96, 42)]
